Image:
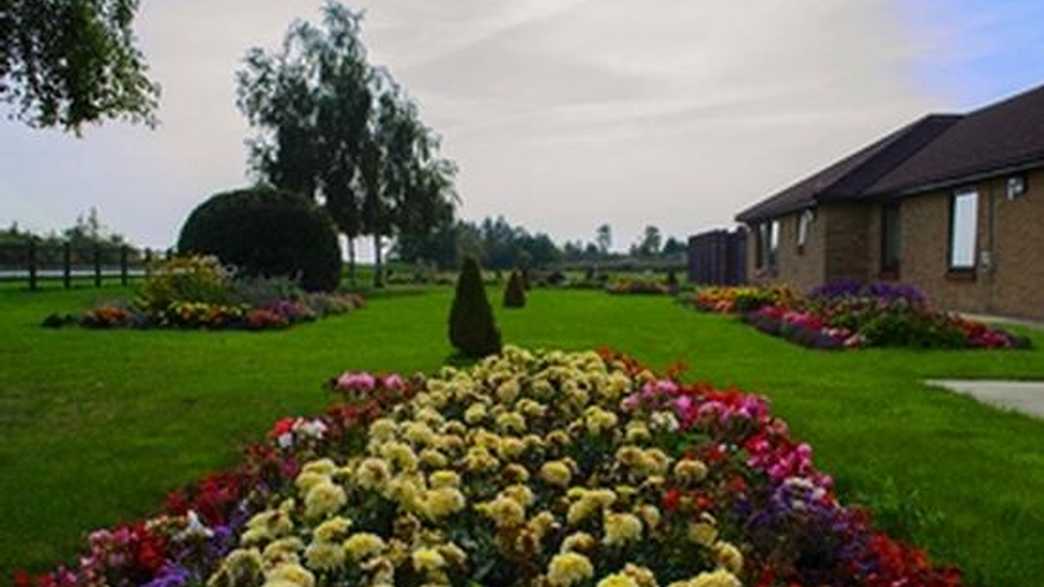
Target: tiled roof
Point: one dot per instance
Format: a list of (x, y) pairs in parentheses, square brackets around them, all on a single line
[(849, 177), (1007, 134)]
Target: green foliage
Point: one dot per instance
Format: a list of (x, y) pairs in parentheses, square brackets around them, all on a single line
[(332, 124), (515, 292), (472, 329), (912, 329), (66, 64), (266, 232), (194, 279)]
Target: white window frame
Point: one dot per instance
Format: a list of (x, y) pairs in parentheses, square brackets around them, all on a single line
[(964, 258)]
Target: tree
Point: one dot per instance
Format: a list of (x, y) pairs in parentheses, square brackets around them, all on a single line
[(650, 243), (515, 292), (673, 247), (472, 329), (69, 63), (345, 133), (604, 238)]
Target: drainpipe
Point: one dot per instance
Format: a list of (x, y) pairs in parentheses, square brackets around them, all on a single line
[(991, 234)]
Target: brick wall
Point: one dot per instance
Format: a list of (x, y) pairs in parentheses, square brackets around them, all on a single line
[(1013, 284), (802, 268), (845, 242)]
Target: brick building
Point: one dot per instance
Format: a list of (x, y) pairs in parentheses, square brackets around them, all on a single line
[(953, 204)]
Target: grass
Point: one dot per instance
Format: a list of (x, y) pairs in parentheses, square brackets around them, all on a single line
[(98, 426)]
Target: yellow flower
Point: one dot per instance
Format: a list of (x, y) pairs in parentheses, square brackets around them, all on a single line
[(283, 550), (512, 422), (568, 569), (650, 514), (324, 467), (324, 499), (637, 432), (363, 545), (577, 541), (441, 502), (556, 473), (400, 455), (599, 420), (291, 573), (504, 511), (479, 459), (621, 529), (617, 580), (515, 473), (418, 433), (520, 493), (475, 413), (240, 567), (306, 480), (510, 448), (332, 529), (703, 533), (372, 473), (444, 478), (508, 391), (690, 471), (427, 560), (729, 557), (324, 556), (433, 458), (719, 578)]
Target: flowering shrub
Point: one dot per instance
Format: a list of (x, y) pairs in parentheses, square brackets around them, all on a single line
[(197, 292), (893, 320), (731, 300), (638, 286), (551, 469), (849, 314)]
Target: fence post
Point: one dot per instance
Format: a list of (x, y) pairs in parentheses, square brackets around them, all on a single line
[(67, 265), (32, 264), (123, 265), (97, 266)]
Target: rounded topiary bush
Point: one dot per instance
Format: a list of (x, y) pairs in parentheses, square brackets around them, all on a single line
[(267, 232), (515, 292), (472, 329)]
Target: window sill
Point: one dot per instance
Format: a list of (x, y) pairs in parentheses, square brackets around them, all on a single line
[(960, 275)]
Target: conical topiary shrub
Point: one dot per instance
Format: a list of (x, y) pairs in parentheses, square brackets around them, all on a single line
[(515, 292), (471, 327)]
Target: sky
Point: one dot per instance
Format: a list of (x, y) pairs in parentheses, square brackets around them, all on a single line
[(561, 114)]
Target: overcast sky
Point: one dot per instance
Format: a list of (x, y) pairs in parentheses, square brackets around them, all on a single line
[(562, 114)]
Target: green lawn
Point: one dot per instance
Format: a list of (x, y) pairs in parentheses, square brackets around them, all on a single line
[(98, 426)]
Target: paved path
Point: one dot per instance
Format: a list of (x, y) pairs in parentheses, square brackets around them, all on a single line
[(1024, 396), (1001, 320)]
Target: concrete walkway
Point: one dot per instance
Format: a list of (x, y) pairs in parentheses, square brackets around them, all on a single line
[(1001, 320), (1023, 396)]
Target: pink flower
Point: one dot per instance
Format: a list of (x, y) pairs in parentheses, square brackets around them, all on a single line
[(393, 382), (356, 382)]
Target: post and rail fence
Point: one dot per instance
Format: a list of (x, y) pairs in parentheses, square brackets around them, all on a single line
[(35, 263)]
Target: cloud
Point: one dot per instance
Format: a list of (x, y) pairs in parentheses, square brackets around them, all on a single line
[(562, 114)]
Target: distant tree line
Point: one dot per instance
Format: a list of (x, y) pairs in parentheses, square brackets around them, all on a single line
[(84, 237), (499, 245)]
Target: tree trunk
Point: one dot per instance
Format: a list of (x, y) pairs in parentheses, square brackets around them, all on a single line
[(351, 260), (377, 268)]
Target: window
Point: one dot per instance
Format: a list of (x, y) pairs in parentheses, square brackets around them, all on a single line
[(964, 212), (773, 243), (891, 239), (804, 225)]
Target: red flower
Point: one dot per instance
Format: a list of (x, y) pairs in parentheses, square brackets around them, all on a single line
[(671, 500), (22, 579)]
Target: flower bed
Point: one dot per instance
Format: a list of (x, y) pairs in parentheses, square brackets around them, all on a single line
[(197, 292), (638, 287), (851, 315), (731, 300), (551, 469)]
